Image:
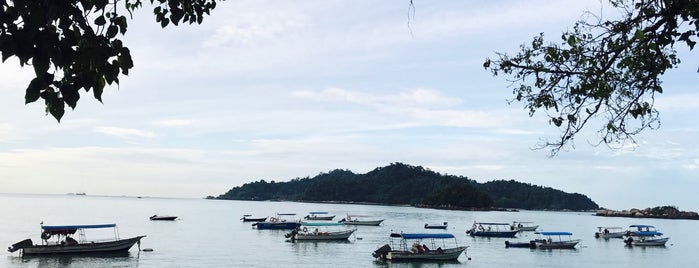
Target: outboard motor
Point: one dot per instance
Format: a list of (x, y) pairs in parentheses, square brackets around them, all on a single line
[(381, 252), (628, 241), (20, 245)]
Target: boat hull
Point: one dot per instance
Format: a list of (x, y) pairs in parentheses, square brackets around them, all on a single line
[(527, 228), (323, 236), (163, 218), (493, 233), (320, 218), (658, 242), (85, 248), (276, 225), (558, 244), (370, 223), (244, 219), (449, 254)]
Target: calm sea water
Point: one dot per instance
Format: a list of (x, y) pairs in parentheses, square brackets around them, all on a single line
[(210, 234)]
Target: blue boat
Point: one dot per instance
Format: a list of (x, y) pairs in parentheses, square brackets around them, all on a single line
[(282, 221), (491, 229)]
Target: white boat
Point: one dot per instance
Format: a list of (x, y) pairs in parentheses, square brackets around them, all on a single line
[(610, 232), (555, 240), (523, 226), (65, 243), (360, 220), (410, 247), (313, 234), (491, 229), (644, 235), (319, 216)]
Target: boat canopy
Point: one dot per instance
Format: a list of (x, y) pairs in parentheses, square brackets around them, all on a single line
[(75, 227), (647, 233), (424, 236), (641, 226), (609, 227), (554, 233), (317, 212)]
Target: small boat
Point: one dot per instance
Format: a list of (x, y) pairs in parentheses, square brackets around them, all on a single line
[(436, 226), (162, 218), (607, 232), (65, 243), (530, 244), (319, 216), (282, 221), (357, 220), (437, 251), (313, 234), (524, 226), (247, 218), (548, 242), (491, 229), (644, 235)]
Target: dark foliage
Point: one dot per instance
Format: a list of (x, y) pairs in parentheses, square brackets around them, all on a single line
[(404, 184)]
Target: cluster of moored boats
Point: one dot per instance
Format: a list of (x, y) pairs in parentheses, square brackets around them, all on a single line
[(321, 226)]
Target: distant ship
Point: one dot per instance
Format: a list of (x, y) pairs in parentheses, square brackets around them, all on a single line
[(76, 193)]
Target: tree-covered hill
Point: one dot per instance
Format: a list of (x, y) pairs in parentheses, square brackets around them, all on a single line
[(400, 184)]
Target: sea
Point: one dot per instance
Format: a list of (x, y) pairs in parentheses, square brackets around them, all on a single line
[(209, 233)]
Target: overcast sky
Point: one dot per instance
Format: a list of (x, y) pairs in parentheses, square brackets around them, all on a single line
[(277, 90)]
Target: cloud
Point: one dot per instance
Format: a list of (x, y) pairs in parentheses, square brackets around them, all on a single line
[(125, 133), (173, 123)]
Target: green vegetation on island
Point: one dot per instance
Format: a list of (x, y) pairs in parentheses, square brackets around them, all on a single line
[(401, 184), (663, 212)]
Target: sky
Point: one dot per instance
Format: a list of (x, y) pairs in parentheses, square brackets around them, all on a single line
[(278, 90)]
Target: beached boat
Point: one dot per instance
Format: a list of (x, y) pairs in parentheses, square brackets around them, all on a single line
[(644, 235), (610, 232), (313, 234), (523, 226), (249, 218), (491, 229), (410, 247), (436, 226), (555, 240), (360, 220), (319, 216), (282, 221), (162, 218), (64, 242)]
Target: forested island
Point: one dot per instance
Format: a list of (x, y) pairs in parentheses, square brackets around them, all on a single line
[(401, 184)]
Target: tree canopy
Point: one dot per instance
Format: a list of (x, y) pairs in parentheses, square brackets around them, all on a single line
[(608, 70), (75, 44)]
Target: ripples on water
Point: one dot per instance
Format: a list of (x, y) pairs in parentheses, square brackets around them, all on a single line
[(210, 234)]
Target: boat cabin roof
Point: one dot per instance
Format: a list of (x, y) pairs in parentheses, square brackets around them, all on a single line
[(554, 233), (609, 227), (424, 236), (641, 226), (75, 227), (644, 233)]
